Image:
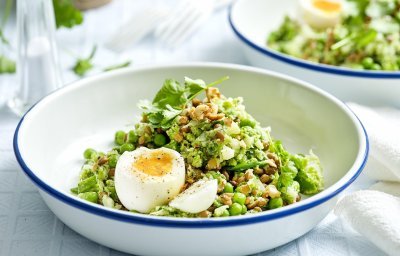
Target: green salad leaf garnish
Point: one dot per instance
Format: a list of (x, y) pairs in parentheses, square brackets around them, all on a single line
[(171, 99), (66, 14), (84, 65), (7, 65)]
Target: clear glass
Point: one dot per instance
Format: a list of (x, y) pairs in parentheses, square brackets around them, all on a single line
[(37, 66), (7, 52), (7, 80)]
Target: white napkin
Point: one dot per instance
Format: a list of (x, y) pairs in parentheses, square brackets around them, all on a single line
[(375, 213)]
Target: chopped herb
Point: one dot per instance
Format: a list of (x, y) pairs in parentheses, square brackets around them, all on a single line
[(118, 66), (82, 66), (66, 14), (6, 65)]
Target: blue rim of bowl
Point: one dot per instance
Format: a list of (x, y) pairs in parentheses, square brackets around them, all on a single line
[(307, 64), (183, 222)]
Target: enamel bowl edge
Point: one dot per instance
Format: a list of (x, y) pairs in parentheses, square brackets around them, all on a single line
[(300, 114), (252, 21)]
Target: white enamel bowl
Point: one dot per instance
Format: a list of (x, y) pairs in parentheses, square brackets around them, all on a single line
[(51, 137), (253, 20)]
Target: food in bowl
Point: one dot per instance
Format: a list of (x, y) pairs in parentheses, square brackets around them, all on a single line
[(197, 158), (301, 115), (358, 34)]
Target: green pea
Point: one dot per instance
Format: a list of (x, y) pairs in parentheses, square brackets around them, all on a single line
[(376, 66), (225, 213), (275, 203), (227, 104), (367, 62), (239, 198), (89, 196), (235, 209), (228, 188), (120, 137), (110, 183), (160, 140), (132, 137), (88, 153), (247, 122), (126, 147), (244, 209), (112, 161)]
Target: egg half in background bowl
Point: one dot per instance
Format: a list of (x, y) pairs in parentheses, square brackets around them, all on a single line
[(320, 14), (51, 137), (252, 22)]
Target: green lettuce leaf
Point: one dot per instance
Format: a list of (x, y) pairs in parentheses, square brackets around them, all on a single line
[(310, 173), (277, 148), (286, 184), (171, 93), (194, 87), (66, 14), (290, 192)]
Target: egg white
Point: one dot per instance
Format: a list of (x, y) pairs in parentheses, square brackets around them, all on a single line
[(141, 191), (197, 198), (318, 18)]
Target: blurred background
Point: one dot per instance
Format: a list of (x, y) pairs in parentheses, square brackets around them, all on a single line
[(89, 35), (95, 36)]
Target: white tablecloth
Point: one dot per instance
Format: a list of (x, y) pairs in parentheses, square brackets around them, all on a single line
[(28, 227)]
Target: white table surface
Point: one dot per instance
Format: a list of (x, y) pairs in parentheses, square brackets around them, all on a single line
[(28, 227)]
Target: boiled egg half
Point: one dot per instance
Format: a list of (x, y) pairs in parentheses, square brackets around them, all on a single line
[(145, 178), (321, 14), (197, 198)]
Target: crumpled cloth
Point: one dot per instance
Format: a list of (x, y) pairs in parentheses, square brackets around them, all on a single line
[(375, 213)]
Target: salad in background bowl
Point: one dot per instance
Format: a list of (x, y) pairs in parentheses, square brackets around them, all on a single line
[(347, 47), (358, 34)]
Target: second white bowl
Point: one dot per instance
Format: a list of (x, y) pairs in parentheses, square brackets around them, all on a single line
[(253, 20)]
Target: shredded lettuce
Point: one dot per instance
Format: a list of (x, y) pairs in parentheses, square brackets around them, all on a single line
[(310, 173), (299, 173), (286, 184)]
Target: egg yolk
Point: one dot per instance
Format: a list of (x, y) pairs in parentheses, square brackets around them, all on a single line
[(327, 6), (154, 163)]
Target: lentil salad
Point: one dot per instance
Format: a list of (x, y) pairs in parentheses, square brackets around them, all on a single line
[(218, 140)]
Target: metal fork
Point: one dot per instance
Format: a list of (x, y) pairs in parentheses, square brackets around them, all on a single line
[(136, 28), (187, 17), (171, 27)]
